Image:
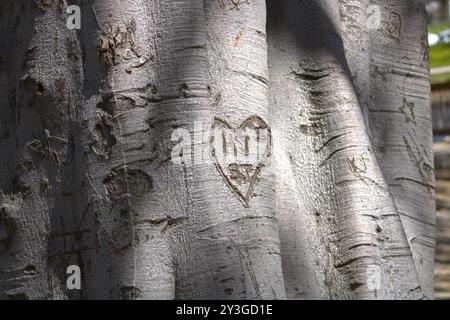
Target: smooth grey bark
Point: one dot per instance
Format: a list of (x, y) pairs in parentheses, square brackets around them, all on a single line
[(344, 209)]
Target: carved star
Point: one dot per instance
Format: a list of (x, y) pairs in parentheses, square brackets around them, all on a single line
[(408, 110)]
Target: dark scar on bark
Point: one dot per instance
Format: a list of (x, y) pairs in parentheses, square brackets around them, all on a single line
[(103, 140), (392, 26), (124, 182), (130, 293), (7, 230), (231, 4), (119, 44)]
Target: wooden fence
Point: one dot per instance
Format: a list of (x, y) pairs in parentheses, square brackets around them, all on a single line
[(440, 99), (440, 95)]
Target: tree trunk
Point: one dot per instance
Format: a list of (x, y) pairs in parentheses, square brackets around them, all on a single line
[(340, 205)]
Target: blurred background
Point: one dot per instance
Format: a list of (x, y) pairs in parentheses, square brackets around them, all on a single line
[(439, 40)]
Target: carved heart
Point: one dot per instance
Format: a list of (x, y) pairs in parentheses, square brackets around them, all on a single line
[(240, 154)]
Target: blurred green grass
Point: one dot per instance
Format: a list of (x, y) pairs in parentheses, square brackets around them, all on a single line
[(438, 27), (439, 54), (440, 78)]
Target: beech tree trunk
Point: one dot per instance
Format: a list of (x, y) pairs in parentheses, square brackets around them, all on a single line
[(340, 207)]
